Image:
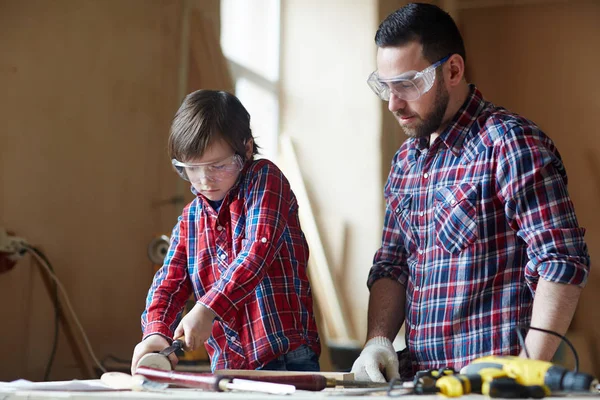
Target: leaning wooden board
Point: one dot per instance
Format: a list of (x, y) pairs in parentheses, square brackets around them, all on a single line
[(340, 376)]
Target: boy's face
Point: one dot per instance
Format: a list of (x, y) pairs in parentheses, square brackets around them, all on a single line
[(217, 174)]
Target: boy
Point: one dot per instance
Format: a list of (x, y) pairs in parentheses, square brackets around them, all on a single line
[(238, 247)]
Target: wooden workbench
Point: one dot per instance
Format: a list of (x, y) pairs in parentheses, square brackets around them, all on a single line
[(173, 394)]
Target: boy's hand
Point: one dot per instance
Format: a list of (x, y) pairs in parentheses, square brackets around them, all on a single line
[(196, 326), (150, 344)]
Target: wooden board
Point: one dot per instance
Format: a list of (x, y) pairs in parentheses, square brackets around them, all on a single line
[(340, 376), (336, 325)]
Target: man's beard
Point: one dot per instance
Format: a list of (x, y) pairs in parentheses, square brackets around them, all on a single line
[(431, 122)]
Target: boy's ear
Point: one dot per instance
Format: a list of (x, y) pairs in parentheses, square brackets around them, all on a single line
[(249, 148)]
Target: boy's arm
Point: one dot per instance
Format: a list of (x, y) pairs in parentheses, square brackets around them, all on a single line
[(267, 208), (170, 288)]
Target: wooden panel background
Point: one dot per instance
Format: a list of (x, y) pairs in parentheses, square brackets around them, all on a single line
[(540, 60), (88, 92)]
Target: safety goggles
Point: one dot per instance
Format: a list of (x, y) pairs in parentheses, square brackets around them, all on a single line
[(212, 171), (409, 86)]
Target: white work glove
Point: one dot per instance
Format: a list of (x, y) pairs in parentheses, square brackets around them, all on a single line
[(378, 355)]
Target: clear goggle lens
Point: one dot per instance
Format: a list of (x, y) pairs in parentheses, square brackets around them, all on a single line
[(409, 86), (214, 171)]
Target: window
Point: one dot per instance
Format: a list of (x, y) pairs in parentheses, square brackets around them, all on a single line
[(250, 37)]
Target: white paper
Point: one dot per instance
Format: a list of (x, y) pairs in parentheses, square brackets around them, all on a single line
[(88, 385)]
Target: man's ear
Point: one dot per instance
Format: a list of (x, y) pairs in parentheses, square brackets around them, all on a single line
[(455, 70), (249, 148)]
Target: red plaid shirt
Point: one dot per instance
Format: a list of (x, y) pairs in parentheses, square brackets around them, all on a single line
[(247, 263), (472, 223)]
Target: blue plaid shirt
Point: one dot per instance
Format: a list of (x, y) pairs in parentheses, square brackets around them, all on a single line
[(472, 223)]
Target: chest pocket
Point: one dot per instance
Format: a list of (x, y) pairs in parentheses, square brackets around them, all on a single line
[(456, 217), (401, 208)]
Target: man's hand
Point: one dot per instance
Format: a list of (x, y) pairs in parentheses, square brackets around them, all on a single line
[(150, 344), (196, 326), (378, 355)]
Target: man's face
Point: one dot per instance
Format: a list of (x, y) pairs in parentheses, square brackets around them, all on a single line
[(217, 157), (421, 117)]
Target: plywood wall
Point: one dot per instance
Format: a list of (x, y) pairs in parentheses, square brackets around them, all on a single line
[(88, 89), (334, 120), (540, 60)]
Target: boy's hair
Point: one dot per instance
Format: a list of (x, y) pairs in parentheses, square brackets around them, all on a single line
[(206, 115), (425, 23)]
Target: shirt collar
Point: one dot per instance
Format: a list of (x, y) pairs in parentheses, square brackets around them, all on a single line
[(457, 132)]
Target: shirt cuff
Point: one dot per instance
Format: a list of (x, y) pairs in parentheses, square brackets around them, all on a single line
[(220, 304), (157, 327), (570, 273), (395, 273)]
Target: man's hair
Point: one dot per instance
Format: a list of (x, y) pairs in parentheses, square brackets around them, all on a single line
[(425, 23), (205, 116)]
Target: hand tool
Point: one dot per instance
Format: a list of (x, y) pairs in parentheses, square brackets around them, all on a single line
[(300, 380), (160, 360), (212, 382)]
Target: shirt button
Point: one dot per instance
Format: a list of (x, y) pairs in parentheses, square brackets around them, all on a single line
[(417, 288), (453, 202), (420, 251), (263, 240), (219, 228), (421, 213), (425, 175), (223, 256), (412, 326), (398, 210)]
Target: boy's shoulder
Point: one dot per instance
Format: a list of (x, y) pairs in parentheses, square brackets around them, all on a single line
[(261, 167), (262, 172)]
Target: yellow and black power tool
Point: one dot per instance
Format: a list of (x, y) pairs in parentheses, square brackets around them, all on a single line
[(514, 377)]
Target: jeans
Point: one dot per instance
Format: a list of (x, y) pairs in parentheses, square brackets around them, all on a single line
[(301, 359)]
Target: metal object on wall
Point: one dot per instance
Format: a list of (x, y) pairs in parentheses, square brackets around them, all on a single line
[(158, 248)]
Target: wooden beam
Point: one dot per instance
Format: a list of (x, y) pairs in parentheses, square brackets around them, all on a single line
[(325, 290)]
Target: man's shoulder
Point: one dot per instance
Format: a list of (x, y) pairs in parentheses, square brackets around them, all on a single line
[(494, 123)]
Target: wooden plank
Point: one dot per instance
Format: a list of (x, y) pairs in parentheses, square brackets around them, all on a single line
[(326, 292), (340, 376), (208, 67)]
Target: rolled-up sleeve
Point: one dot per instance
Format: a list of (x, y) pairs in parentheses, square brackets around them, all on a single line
[(390, 261), (532, 184)]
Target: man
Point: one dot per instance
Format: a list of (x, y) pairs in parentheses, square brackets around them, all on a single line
[(480, 234)]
